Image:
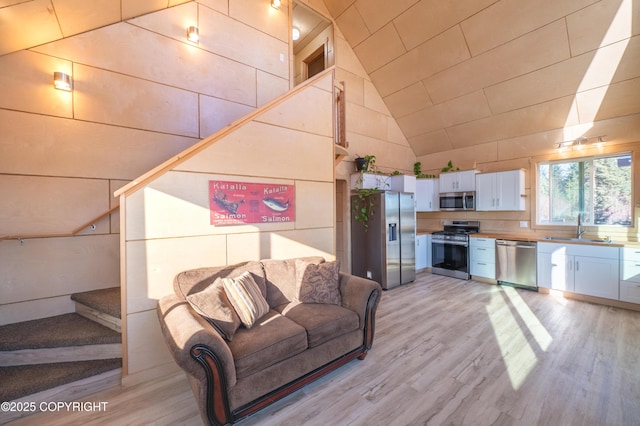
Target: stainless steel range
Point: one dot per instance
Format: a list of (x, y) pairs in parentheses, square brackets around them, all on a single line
[(450, 248)]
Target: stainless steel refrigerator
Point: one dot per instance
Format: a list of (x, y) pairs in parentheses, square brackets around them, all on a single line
[(384, 251)]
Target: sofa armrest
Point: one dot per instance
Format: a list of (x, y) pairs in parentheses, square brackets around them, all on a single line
[(184, 329), (361, 296)]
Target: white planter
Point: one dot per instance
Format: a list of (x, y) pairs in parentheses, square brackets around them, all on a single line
[(370, 181), (402, 183)]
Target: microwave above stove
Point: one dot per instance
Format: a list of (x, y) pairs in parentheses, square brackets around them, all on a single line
[(452, 201)]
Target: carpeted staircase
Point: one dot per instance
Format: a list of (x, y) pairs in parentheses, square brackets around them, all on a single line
[(65, 357)]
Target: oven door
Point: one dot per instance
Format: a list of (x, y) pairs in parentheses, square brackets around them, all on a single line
[(450, 258)]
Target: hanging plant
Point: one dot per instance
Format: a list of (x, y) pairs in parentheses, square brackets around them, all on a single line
[(363, 207)]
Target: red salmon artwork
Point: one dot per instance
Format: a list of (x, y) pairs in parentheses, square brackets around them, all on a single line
[(235, 203)]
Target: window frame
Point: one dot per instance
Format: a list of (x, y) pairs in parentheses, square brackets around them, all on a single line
[(576, 159)]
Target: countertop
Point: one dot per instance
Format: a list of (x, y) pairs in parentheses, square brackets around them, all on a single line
[(544, 240), (631, 244)]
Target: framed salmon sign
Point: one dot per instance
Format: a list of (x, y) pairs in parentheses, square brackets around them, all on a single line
[(234, 203)]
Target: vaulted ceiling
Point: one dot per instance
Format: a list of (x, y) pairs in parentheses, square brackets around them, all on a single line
[(454, 74)]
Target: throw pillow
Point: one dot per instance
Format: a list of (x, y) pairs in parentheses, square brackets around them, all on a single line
[(246, 298), (214, 305), (318, 283)]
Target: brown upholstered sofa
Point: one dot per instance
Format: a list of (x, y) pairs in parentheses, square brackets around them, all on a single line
[(293, 344)]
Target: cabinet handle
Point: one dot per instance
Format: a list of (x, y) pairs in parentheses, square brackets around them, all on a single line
[(484, 264), (483, 249), (577, 266)]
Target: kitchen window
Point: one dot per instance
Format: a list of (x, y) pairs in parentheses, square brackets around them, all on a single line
[(598, 187)]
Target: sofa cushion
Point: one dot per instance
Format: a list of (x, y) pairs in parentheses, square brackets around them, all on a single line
[(245, 296), (196, 280), (322, 322), (214, 305), (317, 283), (280, 278), (272, 339)]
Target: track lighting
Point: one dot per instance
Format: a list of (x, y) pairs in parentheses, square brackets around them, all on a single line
[(581, 142)]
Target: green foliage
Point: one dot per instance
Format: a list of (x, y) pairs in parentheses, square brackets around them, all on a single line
[(363, 206), (598, 187), (449, 167), (417, 170)]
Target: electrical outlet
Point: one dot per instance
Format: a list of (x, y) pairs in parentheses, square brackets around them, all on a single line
[(524, 224), (369, 275)]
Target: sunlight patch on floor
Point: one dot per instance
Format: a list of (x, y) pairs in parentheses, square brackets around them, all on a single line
[(508, 313)]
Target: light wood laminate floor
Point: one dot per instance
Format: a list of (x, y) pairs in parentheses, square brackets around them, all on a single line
[(449, 352)]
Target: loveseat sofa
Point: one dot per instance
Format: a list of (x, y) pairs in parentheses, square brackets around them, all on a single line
[(317, 320)]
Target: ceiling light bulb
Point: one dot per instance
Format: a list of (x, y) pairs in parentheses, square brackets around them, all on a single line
[(193, 35), (295, 33), (62, 81), (276, 4)]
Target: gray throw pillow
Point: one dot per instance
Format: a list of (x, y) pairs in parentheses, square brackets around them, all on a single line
[(214, 305), (318, 283)]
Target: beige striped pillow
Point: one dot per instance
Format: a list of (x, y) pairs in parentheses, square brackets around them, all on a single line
[(245, 297)]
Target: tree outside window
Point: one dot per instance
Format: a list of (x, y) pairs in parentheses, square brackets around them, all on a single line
[(597, 187)]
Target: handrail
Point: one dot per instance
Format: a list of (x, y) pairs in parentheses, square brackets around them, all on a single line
[(215, 137), (60, 234)]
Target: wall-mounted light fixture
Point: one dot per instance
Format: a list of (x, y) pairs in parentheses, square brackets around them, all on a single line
[(62, 81), (193, 35), (295, 33), (276, 4), (581, 142)]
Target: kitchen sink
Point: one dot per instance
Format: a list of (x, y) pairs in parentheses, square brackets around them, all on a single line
[(580, 240)]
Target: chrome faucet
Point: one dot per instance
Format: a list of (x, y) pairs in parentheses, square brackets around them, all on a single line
[(580, 231)]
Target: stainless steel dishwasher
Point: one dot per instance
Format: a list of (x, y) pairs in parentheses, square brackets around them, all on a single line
[(516, 263)]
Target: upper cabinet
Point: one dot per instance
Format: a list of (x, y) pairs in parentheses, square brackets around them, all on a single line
[(500, 191), (427, 195), (458, 181)]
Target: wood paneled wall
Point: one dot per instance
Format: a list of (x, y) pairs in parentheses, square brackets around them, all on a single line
[(141, 94), (167, 222)]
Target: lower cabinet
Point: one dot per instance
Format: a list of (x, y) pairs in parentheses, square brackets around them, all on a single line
[(482, 257), (423, 251), (630, 275), (579, 268)]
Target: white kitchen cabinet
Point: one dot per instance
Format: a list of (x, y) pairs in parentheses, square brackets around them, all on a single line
[(458, 181), (482, 257), (427, 195), (500, 191), (402, 183), (370, 181), (630, 274), (579, 268), (421, 252)]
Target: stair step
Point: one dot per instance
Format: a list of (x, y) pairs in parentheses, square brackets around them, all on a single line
[(106, 300), (53, 332), (69, 392), (62, 354), (28, 379)]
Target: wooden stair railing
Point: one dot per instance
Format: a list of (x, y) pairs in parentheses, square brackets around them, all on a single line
[(59, 234)]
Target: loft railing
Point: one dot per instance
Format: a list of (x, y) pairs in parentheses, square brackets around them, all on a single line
[(71, 233)]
